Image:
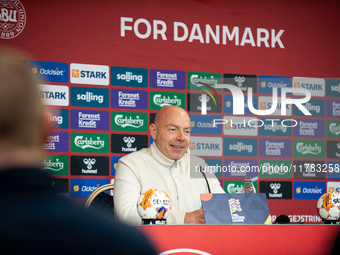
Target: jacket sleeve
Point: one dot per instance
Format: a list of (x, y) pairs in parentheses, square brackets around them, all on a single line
[(126, 192)]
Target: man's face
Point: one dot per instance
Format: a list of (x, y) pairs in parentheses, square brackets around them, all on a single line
[(172, 134)]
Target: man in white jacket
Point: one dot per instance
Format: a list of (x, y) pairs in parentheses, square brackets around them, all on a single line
[(165, 166)]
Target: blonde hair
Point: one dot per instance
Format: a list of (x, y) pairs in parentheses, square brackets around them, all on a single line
[(21, 109)]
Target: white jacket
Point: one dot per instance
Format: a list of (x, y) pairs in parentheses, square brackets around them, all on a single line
[(149, 169)]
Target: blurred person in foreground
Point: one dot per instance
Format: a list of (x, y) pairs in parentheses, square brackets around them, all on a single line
[(165, 166), (33, 218)]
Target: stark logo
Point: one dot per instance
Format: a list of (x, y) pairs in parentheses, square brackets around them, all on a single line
[(12, 19)]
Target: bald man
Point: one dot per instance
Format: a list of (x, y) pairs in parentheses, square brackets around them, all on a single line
[(33, 218), (166, 166)]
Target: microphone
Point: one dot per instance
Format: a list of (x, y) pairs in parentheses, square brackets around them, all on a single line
[(203, 173)]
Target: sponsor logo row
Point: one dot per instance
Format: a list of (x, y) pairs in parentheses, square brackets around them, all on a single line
[(286, 189), (248, 126), (79, 165), (81, 188), (278, 169), (216, 147), (171, 79), (100, 165), (200, 146), (56, 95)]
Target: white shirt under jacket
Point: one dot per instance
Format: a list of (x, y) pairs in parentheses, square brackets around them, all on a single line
[(149, 169)]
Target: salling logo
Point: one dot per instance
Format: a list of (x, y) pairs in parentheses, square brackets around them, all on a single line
[(90, 97), (129, 141), (52, 165), (275, 127), (240, 146), (308, 148), (122, 121), (336, 88), (275, 187), (312, 107), (88, 143), (53, 118), (89, 74), (199, 80), (334, 128), (89, 162), (12, 19), (129, 76), (165, 101)]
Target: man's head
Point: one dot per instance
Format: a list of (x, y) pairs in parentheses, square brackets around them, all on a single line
[(171, 131), (21, 109)]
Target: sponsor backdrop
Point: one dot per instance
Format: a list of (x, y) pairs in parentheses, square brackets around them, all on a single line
[(106, 68)]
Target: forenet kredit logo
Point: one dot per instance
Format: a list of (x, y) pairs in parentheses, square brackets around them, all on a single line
[(12, 19)]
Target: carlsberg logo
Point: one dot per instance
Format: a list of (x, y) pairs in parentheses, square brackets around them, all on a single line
[(122, 121), (197, 81), (234, 189), (165, 101), (88, 143), (308, 149), (52, 165), (334, 128)]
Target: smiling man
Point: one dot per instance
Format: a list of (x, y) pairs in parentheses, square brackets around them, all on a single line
[(165, 166)]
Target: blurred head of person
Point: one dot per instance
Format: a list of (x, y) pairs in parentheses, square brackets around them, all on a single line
[(23, 128)]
